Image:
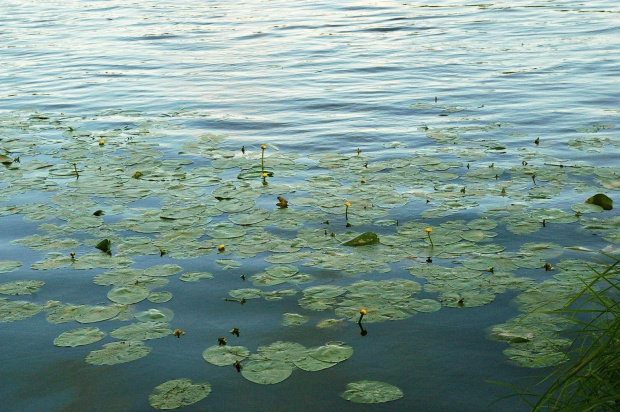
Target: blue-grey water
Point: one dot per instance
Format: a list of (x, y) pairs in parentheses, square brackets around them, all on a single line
[(308, 77)]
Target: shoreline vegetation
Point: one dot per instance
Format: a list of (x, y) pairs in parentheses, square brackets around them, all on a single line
[(589, 380)]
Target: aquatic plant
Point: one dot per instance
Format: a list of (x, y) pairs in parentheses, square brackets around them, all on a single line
[(589, 377), (196, 211), (428, 231)]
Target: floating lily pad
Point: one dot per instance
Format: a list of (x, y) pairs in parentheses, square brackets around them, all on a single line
[(311, 364), (279, 294), (293, 319), (601, 200), (325, 291), (195, 276), (332, 352), (585, 208), (246, 293), (118, 352), (159, 315), (178, 393), (371, 392), (536, 354), (228, 264), (226, 231), (128, 294), (12, 310), (63, 314), (249, 219), (105, 246), (160, 297), (225, 355), (142, 331), (79, 337), (329, 323), (424, 305), (9, 265), (367, 238), (163, 270), (92, 314), (85, 222), (266, 372), (283, 351), (21, 287)]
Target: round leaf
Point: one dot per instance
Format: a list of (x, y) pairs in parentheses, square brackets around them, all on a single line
[(266, 372)]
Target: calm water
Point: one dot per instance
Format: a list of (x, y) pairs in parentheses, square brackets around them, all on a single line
[(308, 77)]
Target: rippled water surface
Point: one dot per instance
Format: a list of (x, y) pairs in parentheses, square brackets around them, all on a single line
[(395, 79)]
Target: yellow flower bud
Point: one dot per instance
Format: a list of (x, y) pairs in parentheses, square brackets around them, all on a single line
[(101, 142), (428, 230), (347, 204), (264, 147), (221, 247), (265, 174), (363, 311)]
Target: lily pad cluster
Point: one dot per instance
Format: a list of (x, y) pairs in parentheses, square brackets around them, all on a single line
[(113, 210), (371, 392), (274, 363), (177, 393)]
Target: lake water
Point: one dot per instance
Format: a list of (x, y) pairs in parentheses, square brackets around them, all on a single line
[(436, 106)]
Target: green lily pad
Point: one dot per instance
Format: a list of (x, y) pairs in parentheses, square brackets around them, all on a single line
[(12, 310), (225, 355), (118, 352), (63, 314), (536, 354), (332, 352), (311, 364), (9, 265), (158, 315), (366, 238), (178, 393), (160, 297), (228, 264), (330, 323), (246, 293), (195, 276), (105, 246), (293, 319), (21, 287), (266, 372), (163, 270), (324, 291), (424, 305), (254, 174), (371, 392), (92, 314), (79, 337), (249, 219), (5, 160), (142, 331), (128, 294), (585, 208), (279, 294), (601, 200), (283, 351)]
